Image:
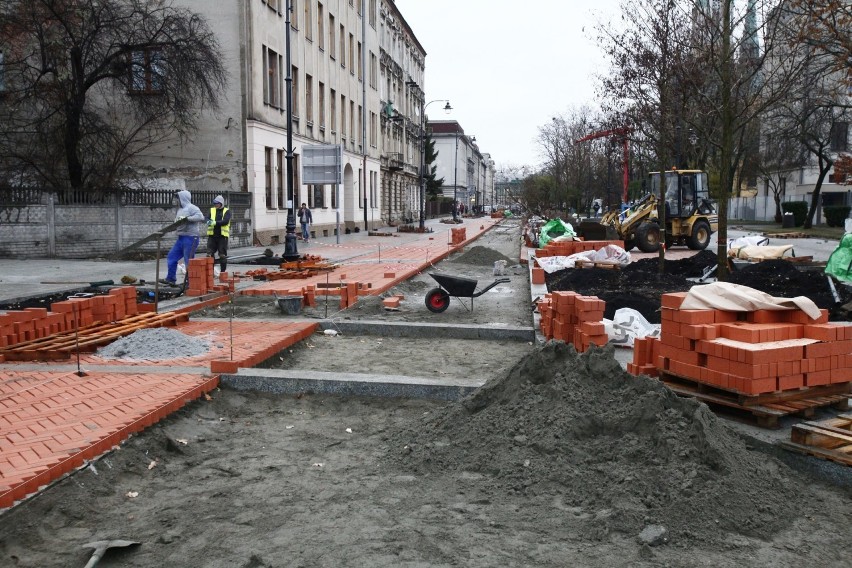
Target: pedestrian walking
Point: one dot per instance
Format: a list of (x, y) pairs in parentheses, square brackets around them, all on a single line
[(187, 235), (218, 231), (305, 218)]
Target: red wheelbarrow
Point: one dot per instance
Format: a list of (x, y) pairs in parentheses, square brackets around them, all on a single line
[(437, 299)]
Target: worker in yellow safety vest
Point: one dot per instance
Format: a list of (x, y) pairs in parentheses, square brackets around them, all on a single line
[(218, 231)]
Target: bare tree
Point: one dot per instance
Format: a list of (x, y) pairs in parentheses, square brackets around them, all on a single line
[(780, 154), (91, 83)]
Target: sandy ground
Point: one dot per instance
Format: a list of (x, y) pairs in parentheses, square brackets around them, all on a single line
[(560, 460)]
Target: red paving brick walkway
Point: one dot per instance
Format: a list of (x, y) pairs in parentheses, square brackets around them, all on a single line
[(52, 420)]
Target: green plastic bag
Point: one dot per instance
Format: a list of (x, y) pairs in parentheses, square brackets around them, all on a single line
[(552, 229), (840, 262)]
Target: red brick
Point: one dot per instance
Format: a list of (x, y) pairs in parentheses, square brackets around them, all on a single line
[(673, 299), (817, 378)]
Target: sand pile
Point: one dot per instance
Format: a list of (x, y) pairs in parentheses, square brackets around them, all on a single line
[(581, 431), (481, 256), (155, 344)]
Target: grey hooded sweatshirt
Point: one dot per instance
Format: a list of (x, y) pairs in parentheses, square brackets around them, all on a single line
[(194, 217)]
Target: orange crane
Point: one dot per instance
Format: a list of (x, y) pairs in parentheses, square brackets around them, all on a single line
[(622, 135)]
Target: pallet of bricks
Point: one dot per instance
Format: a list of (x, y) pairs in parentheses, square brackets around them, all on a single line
[(572, 318), (770, 363), (567, 248)]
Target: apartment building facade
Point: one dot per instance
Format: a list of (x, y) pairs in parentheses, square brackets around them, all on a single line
[(334, 68), (468, 173)]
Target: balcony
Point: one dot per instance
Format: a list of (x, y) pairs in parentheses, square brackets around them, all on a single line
[(394, 161)]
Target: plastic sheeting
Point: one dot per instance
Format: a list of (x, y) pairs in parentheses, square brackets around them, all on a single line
[(752, 252), (555, 228), (609, 253), (736, 298), (628, 325), (840, 262)]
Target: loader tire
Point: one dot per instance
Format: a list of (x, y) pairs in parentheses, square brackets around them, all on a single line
[(648, 237), (700, 237)]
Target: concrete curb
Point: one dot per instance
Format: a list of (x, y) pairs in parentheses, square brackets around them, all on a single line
[(423, 330), (278, 381)]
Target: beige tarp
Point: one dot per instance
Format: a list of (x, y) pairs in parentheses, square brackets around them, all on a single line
[(736, 298), (752, 252)]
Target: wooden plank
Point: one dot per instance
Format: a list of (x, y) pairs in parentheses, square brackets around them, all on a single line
[(832, 455)]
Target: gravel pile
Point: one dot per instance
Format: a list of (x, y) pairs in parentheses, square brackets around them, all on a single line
[(155, 344)]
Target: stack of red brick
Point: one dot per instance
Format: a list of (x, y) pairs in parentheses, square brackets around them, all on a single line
[(201, 279), (572, 318), (567, 248), (35, 323), (749, 352), (458, 236)]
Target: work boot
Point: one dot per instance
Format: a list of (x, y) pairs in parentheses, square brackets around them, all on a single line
[(168, 282)]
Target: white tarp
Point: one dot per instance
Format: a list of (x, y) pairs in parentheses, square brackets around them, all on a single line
[(751, 252), (752, 240), (736, 298), (627, 325), (609, 253)]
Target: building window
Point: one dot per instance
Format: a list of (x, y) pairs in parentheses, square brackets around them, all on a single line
[(374, 182), (360, 126), (334, 190), (316, 196), (272, 90), (839, 136), (267, 155), (374, 75), (352, 122), (322, 105), (147, 69), (309, 99), (343, 117), (295, 178), (280, 179), (274, 4), (351, 53), (342, 46), (373, 137), (295, 81), (332, 112), (320, 27), (360, 62), (332, 43), (294, 13), (358, 5), (309, 21), (373, 13)]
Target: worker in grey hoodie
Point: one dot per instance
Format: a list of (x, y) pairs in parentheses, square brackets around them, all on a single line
[(187, 235)]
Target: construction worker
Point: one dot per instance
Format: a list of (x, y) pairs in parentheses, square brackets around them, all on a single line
[(187, 235), (218, 231)]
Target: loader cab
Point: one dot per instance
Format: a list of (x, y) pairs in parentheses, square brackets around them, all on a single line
[(687, 192)]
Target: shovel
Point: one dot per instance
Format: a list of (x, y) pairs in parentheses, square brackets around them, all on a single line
[(101, 547)]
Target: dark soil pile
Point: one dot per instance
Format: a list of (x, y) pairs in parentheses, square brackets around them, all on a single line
[(691, 267), (480, 256), (639, 288), (581, 431), (782, 279), (639, 285)]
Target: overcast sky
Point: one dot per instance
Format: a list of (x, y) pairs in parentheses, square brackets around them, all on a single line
[(507, 67)]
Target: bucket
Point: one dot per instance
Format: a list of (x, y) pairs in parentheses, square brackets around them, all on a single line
[(290, 305)]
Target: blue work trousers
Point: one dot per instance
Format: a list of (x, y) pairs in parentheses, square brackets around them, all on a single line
[(184, 248)]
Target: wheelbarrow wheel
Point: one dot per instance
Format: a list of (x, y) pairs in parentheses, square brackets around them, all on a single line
[(437, 300)]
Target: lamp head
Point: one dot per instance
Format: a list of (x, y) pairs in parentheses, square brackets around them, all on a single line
[(448, 107)]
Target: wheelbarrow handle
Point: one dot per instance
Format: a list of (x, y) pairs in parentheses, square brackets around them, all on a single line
[(487, 288)]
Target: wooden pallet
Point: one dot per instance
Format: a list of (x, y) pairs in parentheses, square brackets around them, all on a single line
[(596, 264), (60, 346), (829, 439), (765, 408)]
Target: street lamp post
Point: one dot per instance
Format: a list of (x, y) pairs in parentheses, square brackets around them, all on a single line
[(290, 251), (423, 107)]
